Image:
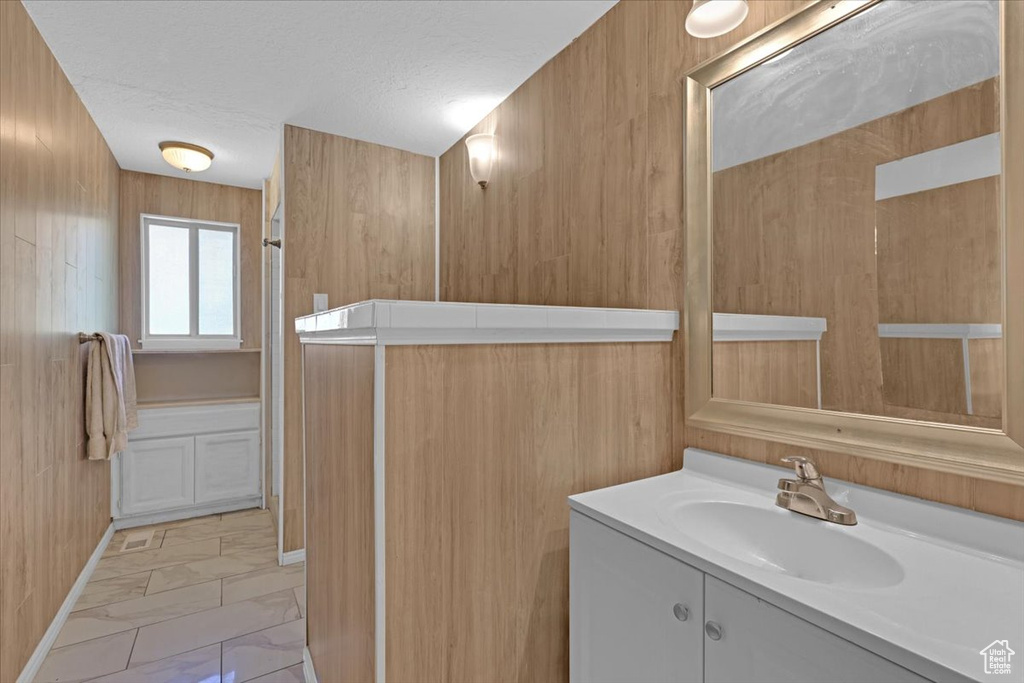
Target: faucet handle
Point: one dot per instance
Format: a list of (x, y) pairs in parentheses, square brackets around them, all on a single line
[(804, 467)]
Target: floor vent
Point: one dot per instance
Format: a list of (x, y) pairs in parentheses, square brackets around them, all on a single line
[(139, 540)]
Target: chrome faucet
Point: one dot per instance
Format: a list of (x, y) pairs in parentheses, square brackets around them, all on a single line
[(806, 495)]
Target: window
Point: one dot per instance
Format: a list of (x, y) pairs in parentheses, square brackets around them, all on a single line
[(189, 284)]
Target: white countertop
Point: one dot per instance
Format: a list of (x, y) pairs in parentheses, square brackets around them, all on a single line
[(963, 583), (429, 322)]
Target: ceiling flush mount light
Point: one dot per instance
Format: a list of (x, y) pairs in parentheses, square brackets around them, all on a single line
[(186, 156), (710, 18), (481, 157)]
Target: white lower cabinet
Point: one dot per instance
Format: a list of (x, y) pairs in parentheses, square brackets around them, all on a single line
[(158, 474), (625, 625), (188, 461)]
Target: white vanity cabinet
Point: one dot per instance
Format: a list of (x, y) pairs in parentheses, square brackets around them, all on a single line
[(624, 626), (186, 461)]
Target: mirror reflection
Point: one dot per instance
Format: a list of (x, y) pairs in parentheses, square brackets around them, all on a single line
[(857, 260)]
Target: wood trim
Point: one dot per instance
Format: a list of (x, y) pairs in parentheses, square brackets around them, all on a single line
[(955, 449), (1012, 116), (975, 452), (697, 313)]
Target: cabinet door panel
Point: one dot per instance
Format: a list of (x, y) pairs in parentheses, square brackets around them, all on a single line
[(622, 623), (227, 466), (157, 474), (760, 642)]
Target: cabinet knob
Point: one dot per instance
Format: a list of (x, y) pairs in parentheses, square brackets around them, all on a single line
[(713, 630), (681, 611)]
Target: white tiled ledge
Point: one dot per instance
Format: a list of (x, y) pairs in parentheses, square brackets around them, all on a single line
[(429, 322), (737, 327)]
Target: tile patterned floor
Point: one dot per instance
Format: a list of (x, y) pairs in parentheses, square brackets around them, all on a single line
[(204, 603)]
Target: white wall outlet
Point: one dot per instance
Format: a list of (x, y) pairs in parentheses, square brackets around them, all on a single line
[(319, 303)]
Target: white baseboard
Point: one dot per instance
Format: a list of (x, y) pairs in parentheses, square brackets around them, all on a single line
[(308, 672), (43, 648), (186, 513), (293, 557)]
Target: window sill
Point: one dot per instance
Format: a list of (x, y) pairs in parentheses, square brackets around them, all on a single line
[(184, 352), (189, 345)]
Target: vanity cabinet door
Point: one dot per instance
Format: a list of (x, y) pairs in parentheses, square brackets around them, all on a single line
[(759, 642), (635, 613)]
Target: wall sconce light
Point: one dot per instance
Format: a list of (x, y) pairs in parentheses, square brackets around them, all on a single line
[(481, 157), (710, 18), (186, 156)]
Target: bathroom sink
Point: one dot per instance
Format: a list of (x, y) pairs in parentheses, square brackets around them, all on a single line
[(788, 543)]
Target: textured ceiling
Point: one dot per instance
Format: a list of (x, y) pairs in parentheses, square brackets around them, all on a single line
[(226, 75), (892, 56)]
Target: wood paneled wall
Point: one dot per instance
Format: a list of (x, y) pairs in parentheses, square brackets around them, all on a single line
[(939, 255), (783, 373), (359, 224), (585, 205), (779, 249), (58, 276), (939, 261), (483, 445), (340, 517)]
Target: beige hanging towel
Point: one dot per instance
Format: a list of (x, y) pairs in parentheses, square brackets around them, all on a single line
[(110, 409)]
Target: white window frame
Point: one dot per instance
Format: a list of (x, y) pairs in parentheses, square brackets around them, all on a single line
[(192, 341)]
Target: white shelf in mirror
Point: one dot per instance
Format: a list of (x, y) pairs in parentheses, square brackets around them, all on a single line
[(961, 162), (745, 327), (941, 330), (389, 322)]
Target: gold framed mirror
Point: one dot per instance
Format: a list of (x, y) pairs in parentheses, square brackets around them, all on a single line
[(958, 429)]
